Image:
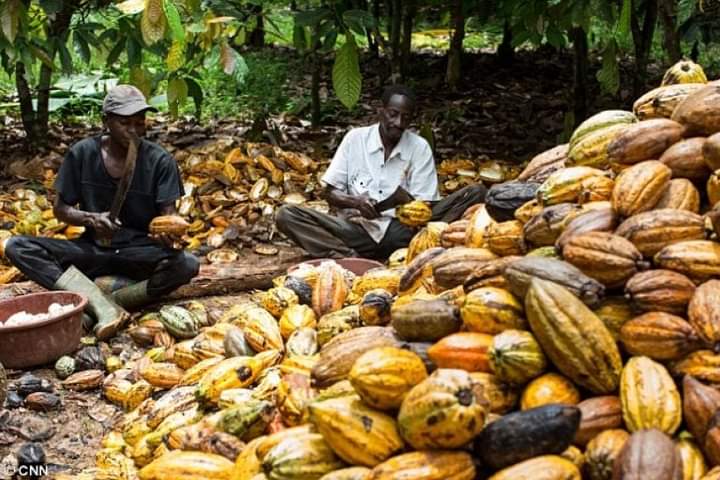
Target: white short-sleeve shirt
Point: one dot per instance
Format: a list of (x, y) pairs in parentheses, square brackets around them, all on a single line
[(359, 167)]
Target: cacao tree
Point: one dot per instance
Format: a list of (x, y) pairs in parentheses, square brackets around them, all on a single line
[(316, 33), (34, 33)]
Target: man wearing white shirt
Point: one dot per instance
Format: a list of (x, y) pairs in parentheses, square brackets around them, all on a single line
[(371, 165)]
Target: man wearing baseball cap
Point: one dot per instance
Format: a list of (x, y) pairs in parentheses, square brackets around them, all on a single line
[(86, 185)]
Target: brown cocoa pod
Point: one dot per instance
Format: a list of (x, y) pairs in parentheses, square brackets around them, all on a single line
[(609, 259), (711, 151), (542, 165), (596, 220), (643, 141), (142, 336), (660, 336), (42, 401), (544, 228), (711, 443), (685, 159), (224, 444), (704, 365), (85, 380), (652, 231), (660, 291), (704, 312), (640, 187), (699, 111), (681, 194), (648, 455), (490, 274), (596, 415), (700, 403), (163, 339)]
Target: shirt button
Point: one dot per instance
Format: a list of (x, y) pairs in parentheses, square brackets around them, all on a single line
[(380, 191)]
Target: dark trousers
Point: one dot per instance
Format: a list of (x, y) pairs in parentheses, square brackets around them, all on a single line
[(326, 236), (44, 260)]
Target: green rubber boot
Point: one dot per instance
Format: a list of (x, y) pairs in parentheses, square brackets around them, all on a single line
[(110, 316), (133, 296)]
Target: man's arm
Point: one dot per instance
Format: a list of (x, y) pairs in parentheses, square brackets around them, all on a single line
[(336, 181), (339, 199), (100, 222)]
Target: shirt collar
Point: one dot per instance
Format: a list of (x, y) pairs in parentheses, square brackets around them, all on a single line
[(375, 143)]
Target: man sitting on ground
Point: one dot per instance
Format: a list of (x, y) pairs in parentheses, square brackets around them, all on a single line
[(373, 164), (86, 188)]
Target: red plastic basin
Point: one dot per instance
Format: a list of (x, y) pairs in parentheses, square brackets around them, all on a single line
[(356, 265), (41, 342)]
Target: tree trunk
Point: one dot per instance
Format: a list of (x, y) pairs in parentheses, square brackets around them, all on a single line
[(580, 94), (36, 121), (27, 112), (373, 42), (315, 90), (642, 38), (454, 64), (395, 35), (506, 51), (407, 30), (257, 36), (671, 37)]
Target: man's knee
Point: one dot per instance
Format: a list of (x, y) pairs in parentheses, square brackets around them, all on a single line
[(285, 216), (15, 248), (187, 267), (477, 192)]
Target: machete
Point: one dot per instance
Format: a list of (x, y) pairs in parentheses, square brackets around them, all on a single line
[(123, 184)]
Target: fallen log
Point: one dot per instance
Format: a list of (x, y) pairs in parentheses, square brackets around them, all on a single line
[(253, 271)]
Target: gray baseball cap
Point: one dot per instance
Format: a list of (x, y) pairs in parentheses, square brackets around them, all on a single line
[(125, 100)]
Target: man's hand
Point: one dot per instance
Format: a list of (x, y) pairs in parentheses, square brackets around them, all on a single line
[(168, 240), (102, 224), (366, 206)]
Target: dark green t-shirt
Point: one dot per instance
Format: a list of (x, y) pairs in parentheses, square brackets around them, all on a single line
[(84, 181)]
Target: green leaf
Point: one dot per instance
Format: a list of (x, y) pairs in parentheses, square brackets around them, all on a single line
[(299, 38), (134, 52), (346, 77), (685, 10), (624, 29), (329, 41), (177, 92), (66, 62), (115, 52), (555, 37), (41, 55), (51, 6), (141, 79), (311, 18), (195, 92), (359, 21), (609, 74), (131, 7), (81, 47), (241, 70), (11, 12), (177, 31)]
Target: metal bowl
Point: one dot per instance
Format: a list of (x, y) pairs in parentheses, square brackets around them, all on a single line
[(356, 265), (41, 342)]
